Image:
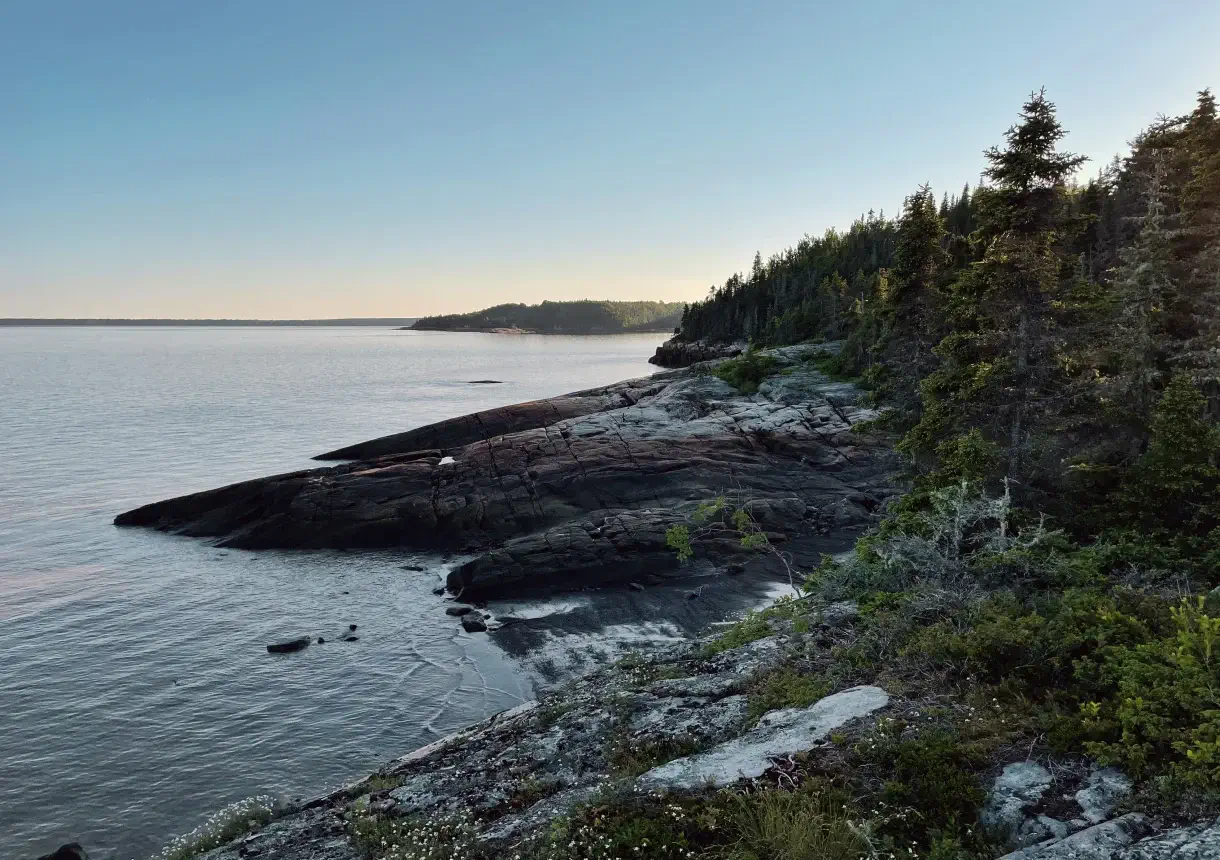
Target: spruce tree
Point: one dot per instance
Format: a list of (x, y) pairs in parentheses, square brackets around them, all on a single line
[(911, 302), (1147, 297), (1199, 246), (1002, 371)]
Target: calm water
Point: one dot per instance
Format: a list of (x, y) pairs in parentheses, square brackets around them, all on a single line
[(135, 691)]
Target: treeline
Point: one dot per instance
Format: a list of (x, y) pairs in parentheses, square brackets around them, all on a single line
[(1032, 328), (579, 317)]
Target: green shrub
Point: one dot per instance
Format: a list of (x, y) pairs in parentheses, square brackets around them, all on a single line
[(1163, 711), (929, 782), (629, 757), (785, 688), (749, 629), (746, 372)]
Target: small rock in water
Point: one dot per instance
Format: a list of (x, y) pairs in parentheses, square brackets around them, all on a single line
[(635, 586), (351, 627), (691, 595), (485, 382), (351, 637), (71, 851), (459, 610), (473, 623), (439, 590), (735, 569), (413, 567), (290, 646), (321, 640)]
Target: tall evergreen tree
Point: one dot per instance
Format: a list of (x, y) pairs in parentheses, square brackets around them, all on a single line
[(1001, 370), (912, 301)]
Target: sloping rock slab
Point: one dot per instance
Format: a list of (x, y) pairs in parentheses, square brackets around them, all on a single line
[(478, 481), (778, 734)]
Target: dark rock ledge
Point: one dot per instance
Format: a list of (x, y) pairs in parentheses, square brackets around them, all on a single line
[(571, 491)]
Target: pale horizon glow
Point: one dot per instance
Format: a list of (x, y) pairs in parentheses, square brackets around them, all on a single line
[(307, 159)]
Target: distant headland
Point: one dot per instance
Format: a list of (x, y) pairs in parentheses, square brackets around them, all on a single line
[(355, 321), (578, 317)]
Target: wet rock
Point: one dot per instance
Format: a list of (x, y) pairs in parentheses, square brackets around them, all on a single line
[(1020, 786), (473, 623), (321, 640), (1106, 787), (779, 733), (415, 567), (71, 851), (635, 586), (439, 590), (485, 382), (458, 611), (351, 628), (1099, 842), (290, 646)]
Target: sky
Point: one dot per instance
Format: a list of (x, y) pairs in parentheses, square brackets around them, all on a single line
[(306, 159)]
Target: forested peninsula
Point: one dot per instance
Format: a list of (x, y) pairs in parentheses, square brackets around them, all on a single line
[(980, 443), (579, 317)]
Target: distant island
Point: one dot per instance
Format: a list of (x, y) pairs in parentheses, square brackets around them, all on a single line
[(579, 317), (355, 321)]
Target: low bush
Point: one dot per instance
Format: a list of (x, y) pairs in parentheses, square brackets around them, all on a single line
[(746, 372)]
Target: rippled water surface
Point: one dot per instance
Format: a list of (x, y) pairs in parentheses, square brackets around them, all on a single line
[(136, 694)]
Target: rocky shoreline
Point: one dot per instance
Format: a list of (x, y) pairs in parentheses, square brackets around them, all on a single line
[(574, 491)]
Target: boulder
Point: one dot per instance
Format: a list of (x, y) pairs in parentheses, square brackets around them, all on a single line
[(1106, 787), (1020, 786), (458, 611), (473, 623)]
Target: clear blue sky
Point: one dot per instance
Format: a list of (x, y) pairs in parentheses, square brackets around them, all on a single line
[(298, 159)]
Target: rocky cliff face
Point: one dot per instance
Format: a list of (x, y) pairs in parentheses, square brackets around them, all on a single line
[(575, 490), (681, 353)]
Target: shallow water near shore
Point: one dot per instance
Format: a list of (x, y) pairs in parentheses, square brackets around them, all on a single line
[(136, 690)]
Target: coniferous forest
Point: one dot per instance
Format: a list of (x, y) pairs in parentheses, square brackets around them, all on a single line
[(1045, 356), (1033, 328)]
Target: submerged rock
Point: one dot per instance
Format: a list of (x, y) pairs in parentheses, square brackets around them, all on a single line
[(289, 646), (474, 623)]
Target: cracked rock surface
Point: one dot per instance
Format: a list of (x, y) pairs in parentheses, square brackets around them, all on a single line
[(574, 490)]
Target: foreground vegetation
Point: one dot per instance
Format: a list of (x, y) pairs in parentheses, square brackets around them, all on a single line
[(580, 317)]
